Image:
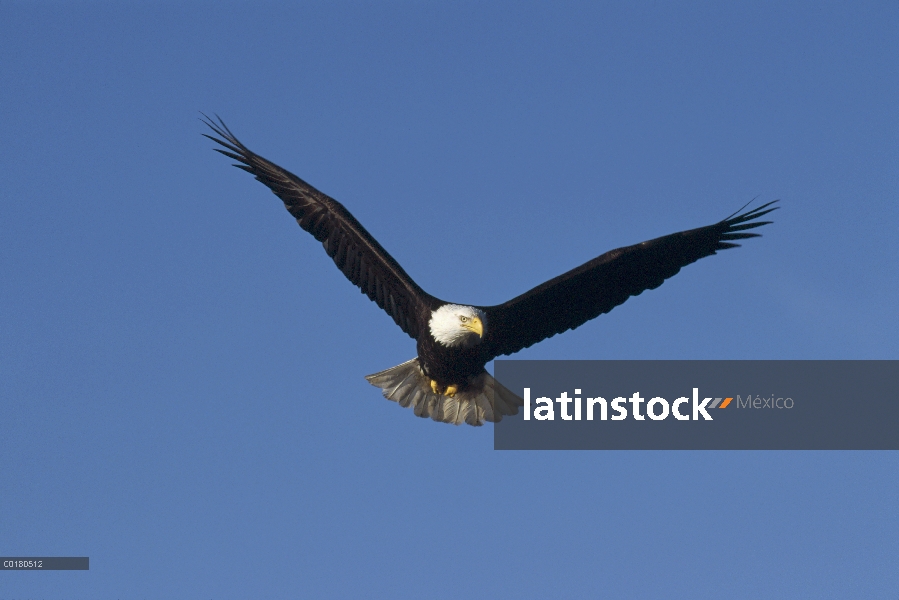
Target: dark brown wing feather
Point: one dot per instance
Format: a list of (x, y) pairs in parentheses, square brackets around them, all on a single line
[(353, 249), (594, 288)]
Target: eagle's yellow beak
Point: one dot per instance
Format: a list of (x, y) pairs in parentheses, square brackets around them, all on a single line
[(474, 324)]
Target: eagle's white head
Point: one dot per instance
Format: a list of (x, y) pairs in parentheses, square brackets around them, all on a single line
[(458, 326)]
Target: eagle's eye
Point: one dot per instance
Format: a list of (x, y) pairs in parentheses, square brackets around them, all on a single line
[(464, 319)]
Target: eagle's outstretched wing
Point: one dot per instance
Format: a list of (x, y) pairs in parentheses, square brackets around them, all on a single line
[(353, 249), (596, 287)]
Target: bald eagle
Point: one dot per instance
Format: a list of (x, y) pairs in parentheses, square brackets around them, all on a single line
[(447, 380)]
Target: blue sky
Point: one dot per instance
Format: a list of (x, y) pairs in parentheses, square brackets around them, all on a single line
[(181, 367)]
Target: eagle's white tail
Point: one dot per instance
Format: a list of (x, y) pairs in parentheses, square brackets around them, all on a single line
[(483, 399)]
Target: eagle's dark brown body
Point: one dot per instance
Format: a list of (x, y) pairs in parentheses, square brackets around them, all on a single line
[(450, 366)]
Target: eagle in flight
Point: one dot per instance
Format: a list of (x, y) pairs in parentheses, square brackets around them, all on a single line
[(447, 380)]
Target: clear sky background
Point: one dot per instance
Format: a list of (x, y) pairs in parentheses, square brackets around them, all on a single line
[(181, 366)]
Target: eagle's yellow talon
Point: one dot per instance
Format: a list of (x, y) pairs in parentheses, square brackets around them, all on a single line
[(449, 392)]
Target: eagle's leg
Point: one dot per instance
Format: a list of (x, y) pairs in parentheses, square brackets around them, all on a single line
[(449, 392)]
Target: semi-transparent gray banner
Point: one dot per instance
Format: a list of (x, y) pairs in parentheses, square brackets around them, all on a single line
[(45, 563), (701, 405)]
